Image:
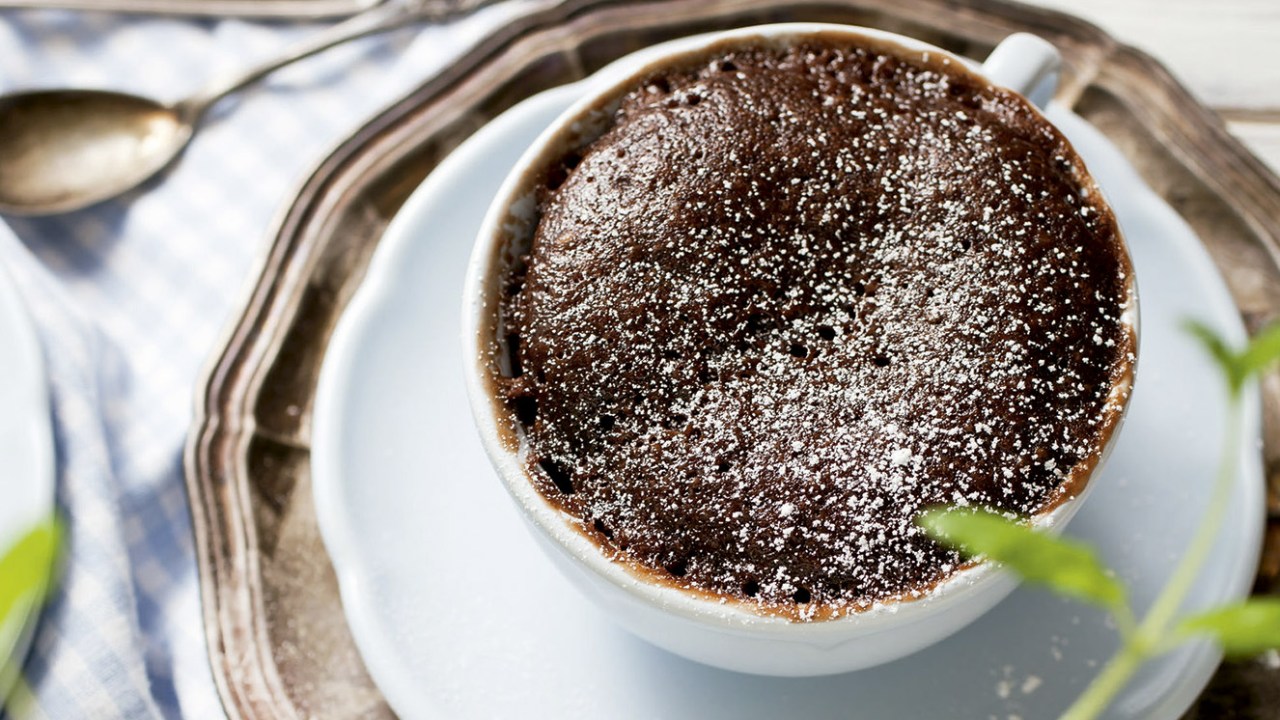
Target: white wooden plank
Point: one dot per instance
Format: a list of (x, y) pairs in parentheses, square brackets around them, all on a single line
[(1224, 50), (1262, 138)]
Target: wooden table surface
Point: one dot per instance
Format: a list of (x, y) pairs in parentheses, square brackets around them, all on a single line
[(1225, 51)]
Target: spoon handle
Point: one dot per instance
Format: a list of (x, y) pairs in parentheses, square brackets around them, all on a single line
[(384, 16)]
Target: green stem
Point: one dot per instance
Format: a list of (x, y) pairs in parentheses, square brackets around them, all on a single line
[(1149, 637), (1104, 687), (21, 700), (1175, 591)]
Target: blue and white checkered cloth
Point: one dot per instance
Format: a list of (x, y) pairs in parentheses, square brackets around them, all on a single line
[(130, 297)]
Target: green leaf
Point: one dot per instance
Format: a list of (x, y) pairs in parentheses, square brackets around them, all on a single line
[(1066, 567), (1257, 357), (26, 567), (1244, 630), (1262, 353), (1226, 358)]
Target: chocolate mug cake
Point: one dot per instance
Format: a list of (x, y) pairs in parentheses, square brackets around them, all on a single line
[(767, 304)]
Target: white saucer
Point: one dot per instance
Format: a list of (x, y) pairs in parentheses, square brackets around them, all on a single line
[(458, 615), (26, 456)]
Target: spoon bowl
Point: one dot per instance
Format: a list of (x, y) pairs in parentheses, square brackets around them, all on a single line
[(67, 149)]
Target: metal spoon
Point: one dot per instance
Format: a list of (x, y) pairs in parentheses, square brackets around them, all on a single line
[(62, 150)]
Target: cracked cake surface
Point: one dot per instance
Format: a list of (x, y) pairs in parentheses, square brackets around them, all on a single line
[(792, 294)]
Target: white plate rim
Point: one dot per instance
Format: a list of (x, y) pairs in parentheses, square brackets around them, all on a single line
[(30, 418)]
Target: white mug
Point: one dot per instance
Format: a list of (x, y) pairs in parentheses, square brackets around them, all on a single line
[(683, 622)]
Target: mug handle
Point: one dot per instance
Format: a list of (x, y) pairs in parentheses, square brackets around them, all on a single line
[(1026, 64)]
